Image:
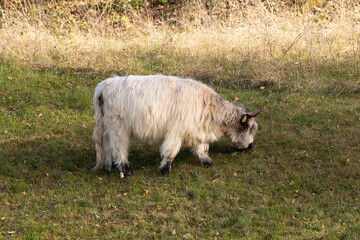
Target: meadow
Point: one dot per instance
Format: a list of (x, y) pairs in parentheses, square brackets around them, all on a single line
[(300, 181)]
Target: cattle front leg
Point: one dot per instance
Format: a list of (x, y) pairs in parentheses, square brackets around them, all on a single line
[(202, 151), (168, 150), (107, 159), (120, 144)]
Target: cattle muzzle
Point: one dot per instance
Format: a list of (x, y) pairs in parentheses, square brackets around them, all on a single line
[(249, 147)]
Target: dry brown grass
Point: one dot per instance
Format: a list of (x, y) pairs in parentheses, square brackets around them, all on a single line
[(259, 44)]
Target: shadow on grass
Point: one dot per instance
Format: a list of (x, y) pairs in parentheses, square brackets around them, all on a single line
[(40, 156)]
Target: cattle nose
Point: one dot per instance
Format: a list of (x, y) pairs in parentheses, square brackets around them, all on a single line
[(250, 146)]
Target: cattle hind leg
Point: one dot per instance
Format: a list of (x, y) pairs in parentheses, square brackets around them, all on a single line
[(98, 138), (107, 151), (120, 146), (98, 130), (168, 150)]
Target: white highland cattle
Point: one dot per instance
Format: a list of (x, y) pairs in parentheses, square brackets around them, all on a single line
[(173, 111)]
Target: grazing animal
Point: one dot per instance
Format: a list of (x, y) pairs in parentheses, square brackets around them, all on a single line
[(171, 110)]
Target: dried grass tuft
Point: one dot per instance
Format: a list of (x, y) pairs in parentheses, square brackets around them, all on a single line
[(236, 44)]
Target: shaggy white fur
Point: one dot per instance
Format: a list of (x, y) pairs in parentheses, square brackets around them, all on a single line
[(173, 111)]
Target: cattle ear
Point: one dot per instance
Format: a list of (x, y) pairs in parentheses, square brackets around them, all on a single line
[(246, 116)]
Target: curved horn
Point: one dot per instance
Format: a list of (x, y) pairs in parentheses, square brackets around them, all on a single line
[(251, 115)]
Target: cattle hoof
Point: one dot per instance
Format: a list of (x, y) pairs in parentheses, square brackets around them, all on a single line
[(165, 171), (113, 168), (110, 169), (207, 164), (124, 170)]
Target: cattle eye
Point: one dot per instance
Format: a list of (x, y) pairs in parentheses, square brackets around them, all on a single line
[(245, 125)]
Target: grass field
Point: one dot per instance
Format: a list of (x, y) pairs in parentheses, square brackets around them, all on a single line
[(300, 181)]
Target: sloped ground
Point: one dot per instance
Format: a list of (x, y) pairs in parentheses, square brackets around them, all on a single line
[(301, 181)]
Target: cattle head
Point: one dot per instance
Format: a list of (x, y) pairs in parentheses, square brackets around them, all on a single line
[(242, 128)]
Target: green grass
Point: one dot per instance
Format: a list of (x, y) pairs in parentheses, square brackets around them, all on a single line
[(301, 180)]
